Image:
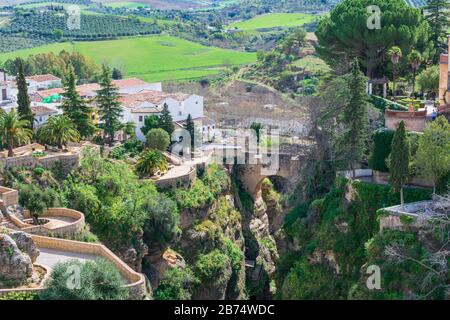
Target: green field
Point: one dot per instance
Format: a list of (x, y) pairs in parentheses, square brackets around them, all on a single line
[(273, 20), (155, 58), (125, 4), (313, 64)]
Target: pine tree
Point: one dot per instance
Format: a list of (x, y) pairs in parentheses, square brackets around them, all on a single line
[(166, 120), (109, 108), (23, 100), (354, 119), (75, 107), (399, 161), (437, 15)]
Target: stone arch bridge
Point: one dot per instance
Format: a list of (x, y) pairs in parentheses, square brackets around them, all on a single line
[(254, 167)]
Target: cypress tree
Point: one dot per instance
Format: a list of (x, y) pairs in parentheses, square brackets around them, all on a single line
[(190, 127), (399, 161), (75, 107), (23, 100), (109, 108), (166, 120)]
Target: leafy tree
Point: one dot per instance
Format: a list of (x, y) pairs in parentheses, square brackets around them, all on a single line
[(433, 154), (399, 161), (14, 130), (23, 100), (150, 162), (428, 80), (99, 280), (151, 122), (37, 200), (158, 139), (58, 130), (436, 13), (109, 107), (75, 107), (163, 221), (414, 59), (344, 34), (166, 120), (177, 284), (58, 33), (354, 119)]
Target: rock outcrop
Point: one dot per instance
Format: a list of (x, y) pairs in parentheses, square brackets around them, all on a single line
[(14, 264), (26, 244)]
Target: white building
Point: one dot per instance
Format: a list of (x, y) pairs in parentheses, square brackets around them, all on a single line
[(43, 82), (7, 98), (42, 113), (146, 103)]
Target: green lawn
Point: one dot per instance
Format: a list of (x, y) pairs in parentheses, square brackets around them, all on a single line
[(125, 4), (272, 20), (155, 58)]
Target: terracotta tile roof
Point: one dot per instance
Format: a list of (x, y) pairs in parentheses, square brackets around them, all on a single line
[(42, 110), (154, 97), (43, 77), (50, 92), (90, 89)]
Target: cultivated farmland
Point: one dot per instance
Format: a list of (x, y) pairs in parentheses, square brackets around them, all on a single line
[(154, 58)]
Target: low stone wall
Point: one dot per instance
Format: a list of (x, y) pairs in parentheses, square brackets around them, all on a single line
[(70, 229), (383, 178), (30, 290), (184, 180), (68, 161), (8, 197), (136, 280)]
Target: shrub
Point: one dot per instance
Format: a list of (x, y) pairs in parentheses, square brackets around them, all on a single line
[(158, 139), (98, 280), (212, 265), (177, 284), (382, 141)]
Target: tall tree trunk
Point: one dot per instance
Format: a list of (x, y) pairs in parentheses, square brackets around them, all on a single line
[(394, 82), (414, 83), (402, 200), (10, 147)]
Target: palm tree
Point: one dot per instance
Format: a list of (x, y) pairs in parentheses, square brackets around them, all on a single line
[(414, 59), (150, 162), (129, 128), (14, 130), (59, 130), (395, 53)]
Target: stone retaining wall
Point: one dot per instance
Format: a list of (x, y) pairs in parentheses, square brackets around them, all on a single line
[(8, 197), (184, 180), (70, 229), (136, 280)]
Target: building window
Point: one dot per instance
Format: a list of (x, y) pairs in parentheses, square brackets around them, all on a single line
[(180, 113), (140, 118), (196, 102), (40, 119)]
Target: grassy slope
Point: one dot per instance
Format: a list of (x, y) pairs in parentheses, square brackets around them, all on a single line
[(273, 20), (125, 4), (155, 58)]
